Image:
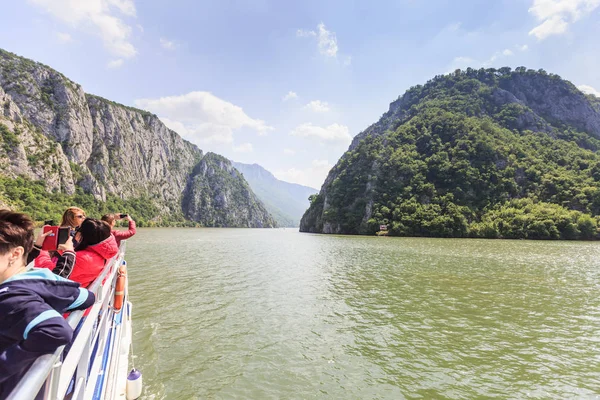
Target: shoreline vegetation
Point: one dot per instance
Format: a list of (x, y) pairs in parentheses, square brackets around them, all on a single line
[(517, 219), (32, 198)]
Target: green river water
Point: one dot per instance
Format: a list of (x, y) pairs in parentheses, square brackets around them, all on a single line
[(276, 314)]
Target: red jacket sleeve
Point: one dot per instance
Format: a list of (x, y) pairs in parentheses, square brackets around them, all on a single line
[(44, 261), (122, 235)]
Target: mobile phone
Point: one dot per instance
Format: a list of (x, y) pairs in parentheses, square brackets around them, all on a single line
[(123, 216), (63, 236), (50, 242), (49, 222), (57, 237)]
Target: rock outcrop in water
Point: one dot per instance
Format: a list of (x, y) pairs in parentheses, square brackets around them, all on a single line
[(482, 153), (52, 131)]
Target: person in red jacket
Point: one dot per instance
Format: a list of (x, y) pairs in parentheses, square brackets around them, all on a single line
[(111, 219), (95, 246)]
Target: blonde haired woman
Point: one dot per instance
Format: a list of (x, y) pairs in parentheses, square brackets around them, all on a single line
[(73, 217)]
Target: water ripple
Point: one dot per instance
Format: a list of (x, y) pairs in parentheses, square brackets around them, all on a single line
[(274, 314)]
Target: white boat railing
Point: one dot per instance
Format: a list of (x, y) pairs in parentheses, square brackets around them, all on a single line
[(79, 370)]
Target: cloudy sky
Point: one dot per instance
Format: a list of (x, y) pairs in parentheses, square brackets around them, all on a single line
[(288, 84)]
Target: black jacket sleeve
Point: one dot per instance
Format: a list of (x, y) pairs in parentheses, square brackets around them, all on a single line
[(65, 263)]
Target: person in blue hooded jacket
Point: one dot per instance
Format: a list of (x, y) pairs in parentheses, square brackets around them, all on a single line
[(32, 302)]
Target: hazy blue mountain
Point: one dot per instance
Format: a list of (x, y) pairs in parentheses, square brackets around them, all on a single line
[(285, 201)]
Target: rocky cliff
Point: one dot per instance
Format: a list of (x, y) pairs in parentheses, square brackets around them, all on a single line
[(218, 195), (483, 153), (72, 141)]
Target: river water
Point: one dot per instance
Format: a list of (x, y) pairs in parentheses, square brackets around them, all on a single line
[(276, 314)]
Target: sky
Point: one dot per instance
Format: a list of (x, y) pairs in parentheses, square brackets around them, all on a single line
[(287, 84)]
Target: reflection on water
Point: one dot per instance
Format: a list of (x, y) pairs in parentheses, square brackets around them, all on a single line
[(270, 314)]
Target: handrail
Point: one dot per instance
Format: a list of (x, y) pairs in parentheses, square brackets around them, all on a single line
[(34, 379)]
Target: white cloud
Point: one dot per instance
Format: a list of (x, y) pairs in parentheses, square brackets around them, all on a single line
[(326, 41), (289, 152), (556, 15), (203, 133), (168, 44), (103, 18), (497, 55), (244, 148), (313, 176), (552, 26), (317, 106), (64, 37), (334, 133), (202, 117), (589, 90), (303, 33), (290, 95), (125, 6), (523, 47), (463, 60), (113, 64), (454, 27)]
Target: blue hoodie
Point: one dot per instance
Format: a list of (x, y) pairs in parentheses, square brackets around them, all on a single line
[(31, 321)]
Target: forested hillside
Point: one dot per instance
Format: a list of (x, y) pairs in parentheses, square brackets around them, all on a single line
[(480, 153)]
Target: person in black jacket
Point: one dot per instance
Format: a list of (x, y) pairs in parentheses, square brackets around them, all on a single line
[(32, 302), (63, 262)]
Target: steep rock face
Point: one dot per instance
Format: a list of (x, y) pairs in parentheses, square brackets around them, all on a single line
[(53, 131), (217, 195), (134, 153), (459, 145), (554, 100), (545, 99), (51, 102), (25, 151)]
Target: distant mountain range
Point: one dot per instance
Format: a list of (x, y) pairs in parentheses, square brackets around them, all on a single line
[(286, 201)]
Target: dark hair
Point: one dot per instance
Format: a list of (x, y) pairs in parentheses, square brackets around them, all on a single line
[(109, 218), (16, 229), (93, 231)]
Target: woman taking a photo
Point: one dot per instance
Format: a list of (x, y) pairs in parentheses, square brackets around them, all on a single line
[(95, 246), (72, 218), (119, 235)]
